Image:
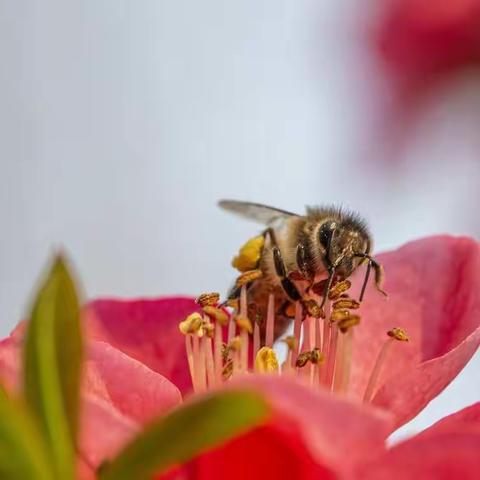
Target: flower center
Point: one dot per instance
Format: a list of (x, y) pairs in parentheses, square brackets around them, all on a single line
[(221, 345)]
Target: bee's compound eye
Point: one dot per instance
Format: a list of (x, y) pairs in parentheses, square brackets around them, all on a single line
[(325, 234)]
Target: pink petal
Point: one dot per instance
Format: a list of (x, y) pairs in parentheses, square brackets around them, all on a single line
[(103, 430), (311, 434), (134, 389), (434, 293), (447, 450), (146, 330)]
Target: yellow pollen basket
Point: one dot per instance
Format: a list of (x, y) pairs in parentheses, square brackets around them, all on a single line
[(249, 254), (266, 361)]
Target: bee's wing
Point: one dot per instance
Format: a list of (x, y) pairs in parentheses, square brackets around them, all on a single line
[(256, 211)]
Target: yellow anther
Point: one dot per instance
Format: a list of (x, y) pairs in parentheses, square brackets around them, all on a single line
[(249, 254), (205, 299), (266, 361), (235, 344), (244, 323), (346, 302), (303, 359), (192, 325), (313, 309), (339, 315), (347, 323), (398, 334), (338, 289), (216, 314), (316, 356), (291, 342), (248, 277)]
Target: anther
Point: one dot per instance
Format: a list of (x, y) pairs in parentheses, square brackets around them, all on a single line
[(216, 314), (339, 315), (398, 334), (338, 289), (345, 302), (348, 322), (208, 299), (266, 361), (244, 323), (248, 277), (302, 359), (235, 344), (192, 325), (316, 356), (232, 303), (313, 309)]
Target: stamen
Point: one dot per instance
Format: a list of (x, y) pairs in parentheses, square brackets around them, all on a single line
[(245, 327), (189, 350), (313, 309), (209, 362), (332, 353), (292, 344), (345, 302), (199, 364), (216, 314), (266, 361), (348, 322), (248, 277), (270, 321), (234, 348), (218, 342), (338, 289), (297, 326), (256, 339), (394, 334), (208, 299)]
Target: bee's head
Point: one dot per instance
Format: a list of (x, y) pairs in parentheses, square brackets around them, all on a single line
[(344, 246), (339, 244)]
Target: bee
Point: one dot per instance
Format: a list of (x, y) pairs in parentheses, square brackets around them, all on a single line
[(327, 243)]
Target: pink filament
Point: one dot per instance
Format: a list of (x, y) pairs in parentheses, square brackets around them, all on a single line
[(256, 340), (190, 358), (332, 353), (218, 353), (296, 331), (209, 362), (270, 321), (382, 355)]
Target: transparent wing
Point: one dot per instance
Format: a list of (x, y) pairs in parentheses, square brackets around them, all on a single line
[(256, 211)]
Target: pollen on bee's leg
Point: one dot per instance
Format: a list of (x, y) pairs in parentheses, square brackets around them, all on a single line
[(395, 334)]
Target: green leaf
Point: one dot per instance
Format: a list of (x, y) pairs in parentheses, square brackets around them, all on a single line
[(185, 433), (52, 365), (23, 454)]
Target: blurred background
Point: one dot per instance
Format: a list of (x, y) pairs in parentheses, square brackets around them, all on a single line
[(123, 122)]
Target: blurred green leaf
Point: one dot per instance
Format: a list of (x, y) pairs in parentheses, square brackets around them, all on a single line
[(188, 431), (52, 365), (23, 454)]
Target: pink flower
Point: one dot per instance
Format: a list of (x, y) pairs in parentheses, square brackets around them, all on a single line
[(137, 368), (422, 44)]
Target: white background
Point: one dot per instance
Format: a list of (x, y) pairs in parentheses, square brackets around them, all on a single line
[(123, 122)]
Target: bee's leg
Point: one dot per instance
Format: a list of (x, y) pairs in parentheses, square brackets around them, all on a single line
[(304, 265), (288, 286)]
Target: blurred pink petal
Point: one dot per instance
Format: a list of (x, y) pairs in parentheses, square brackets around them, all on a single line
[(104, 430), (134, 389), (448, 450), (312, 434), (434, 293), (146, 330)]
